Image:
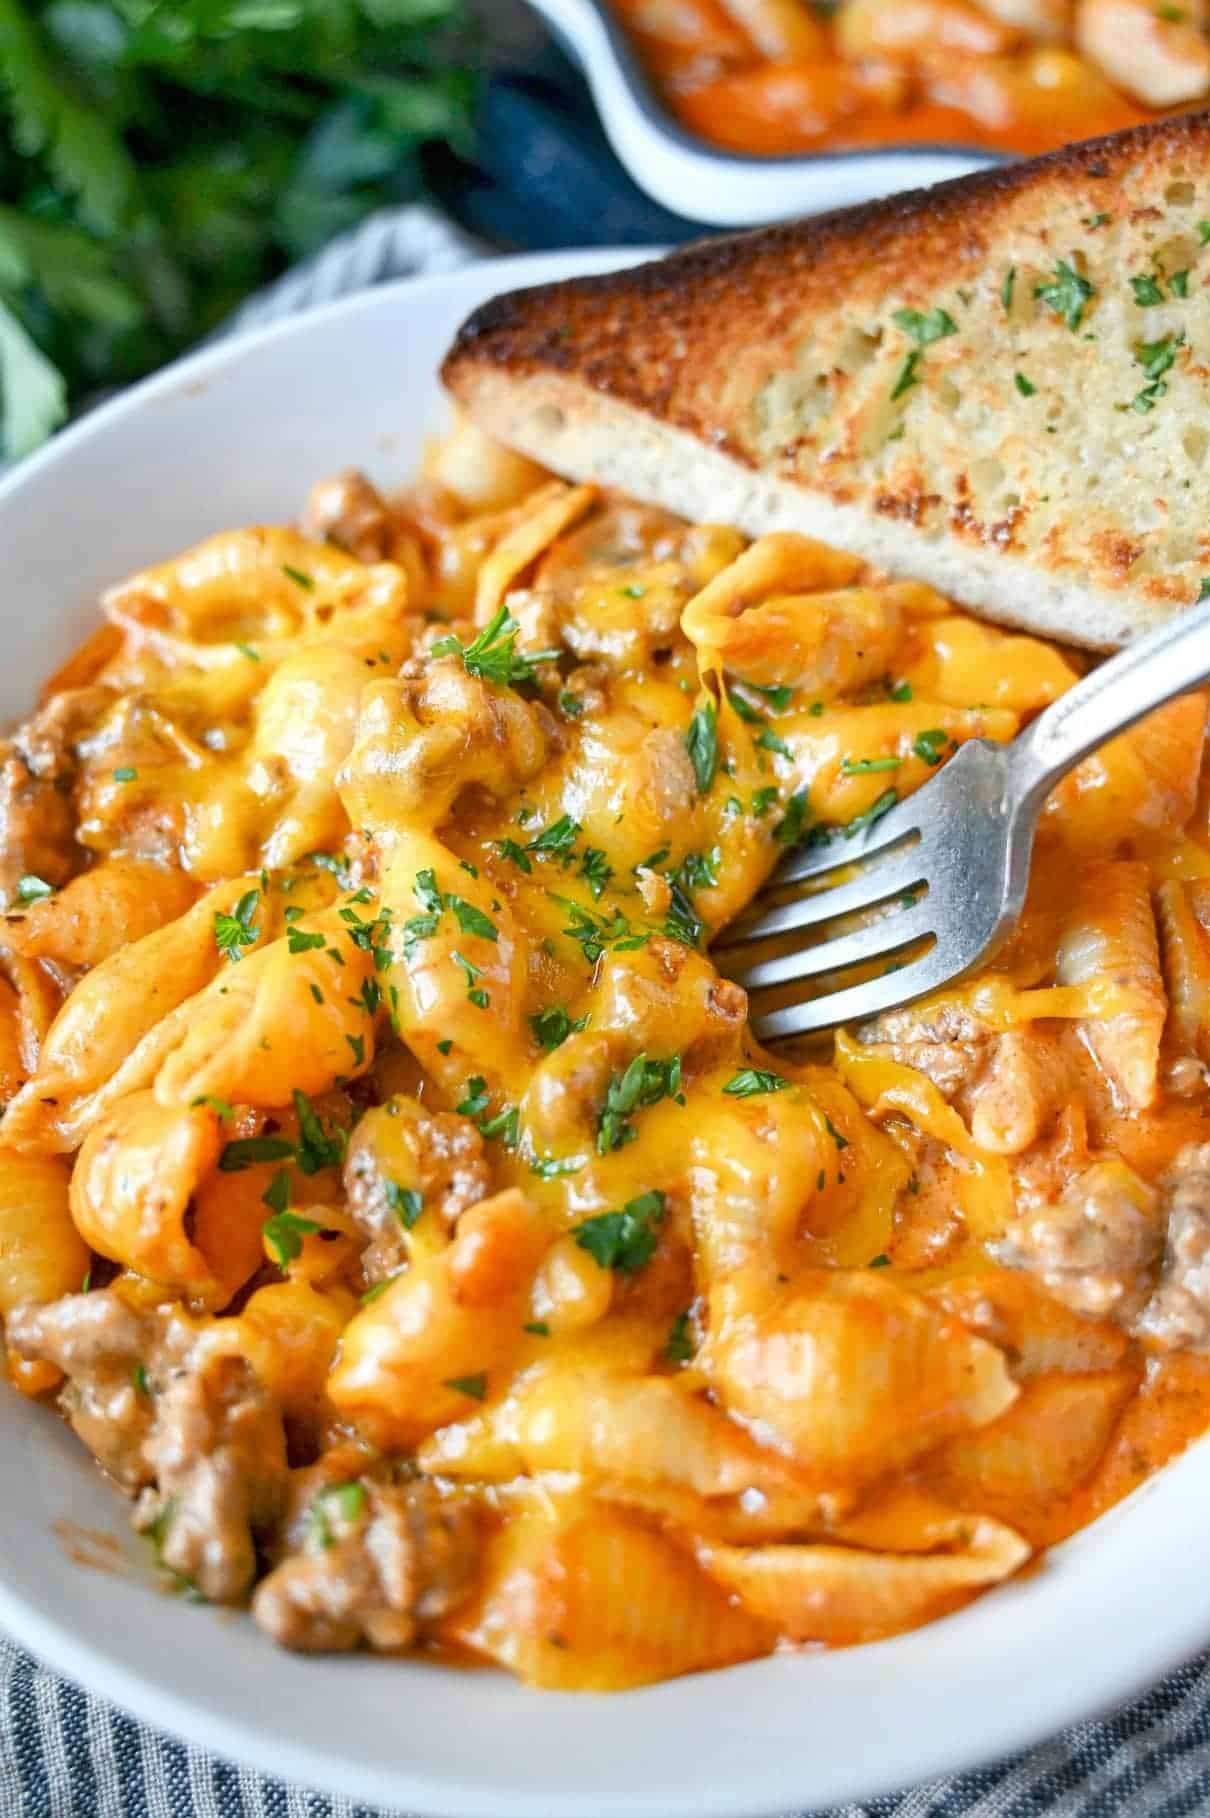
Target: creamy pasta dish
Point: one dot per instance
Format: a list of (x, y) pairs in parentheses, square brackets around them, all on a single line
[(394, 1198), (782, 77)]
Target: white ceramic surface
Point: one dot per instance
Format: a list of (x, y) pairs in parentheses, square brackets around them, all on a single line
[(722, 188), (235, 435)]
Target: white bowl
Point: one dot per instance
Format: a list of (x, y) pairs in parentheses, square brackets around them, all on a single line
[(235, 435), (725, 188)]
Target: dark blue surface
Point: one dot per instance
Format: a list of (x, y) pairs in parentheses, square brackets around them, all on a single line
[(544, 175)]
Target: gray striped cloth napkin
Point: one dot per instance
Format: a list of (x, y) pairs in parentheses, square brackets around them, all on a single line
[(66, 1754)]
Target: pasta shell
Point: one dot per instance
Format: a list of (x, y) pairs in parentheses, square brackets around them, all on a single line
[(841, 1595), (594, 1601), (1111, 941), (850, 1375)]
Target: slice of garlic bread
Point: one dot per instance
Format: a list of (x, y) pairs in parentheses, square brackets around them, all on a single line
[(1000, 386)]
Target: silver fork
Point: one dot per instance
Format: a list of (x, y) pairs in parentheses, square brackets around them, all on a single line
[(948, 866)]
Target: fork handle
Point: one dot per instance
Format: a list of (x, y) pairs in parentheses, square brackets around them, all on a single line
[(1169, 661)]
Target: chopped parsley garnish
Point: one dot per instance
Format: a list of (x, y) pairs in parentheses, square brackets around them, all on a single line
[(246, 650), (763, 799), (477, 1099), (347, 1500), (284, 1234), (750, 1082), (623, 1240), (405, 1202), (475, 1386), (231, 932), (793, 824), (1203, 592), (865, 766), (493, 655), (142, 1382), (1203, 232), (1178, 283), (472, 920), (222, 1110), (570, 704), (1025, 386), (248, 1151), (125, 773), (679, 1346), (558, 838), (879, 1262), (553, 1026), (317, 1147), (444, 1047), (297, 576), (902, 691), (333, 862), (842, 1142), (298, 940), (538, 1327), (907, 374), (31, 889), (886, 801), (595, 869), (701, 742), (925, 328), (1156, 358), (1068, 294), (644, 1082), (1007, 288), (357, 1044), (516, 855), (778, 694), (929, 746), (474, 992), (632, 592), (768, 740), (597, 932), (505, 1125), (1147, 292)]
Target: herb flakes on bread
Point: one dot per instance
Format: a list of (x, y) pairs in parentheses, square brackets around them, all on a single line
[(999, 386)]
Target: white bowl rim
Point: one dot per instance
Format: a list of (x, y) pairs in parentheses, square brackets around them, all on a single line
[(1033, 1706)]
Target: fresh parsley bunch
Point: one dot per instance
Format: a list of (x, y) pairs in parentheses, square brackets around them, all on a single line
[(159, 159)]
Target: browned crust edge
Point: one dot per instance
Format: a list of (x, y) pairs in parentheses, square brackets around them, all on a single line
[(627, 332)]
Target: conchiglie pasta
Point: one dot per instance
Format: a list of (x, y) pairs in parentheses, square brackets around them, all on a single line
[(279, 1022), (578, 1600), (132, 1187), (405, 1354), (118, 901), (42, 1255), (840, 1595), (849, 1374), (113, 1032)]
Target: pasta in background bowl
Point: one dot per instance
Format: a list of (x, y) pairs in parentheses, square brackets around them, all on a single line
[(235, 438)]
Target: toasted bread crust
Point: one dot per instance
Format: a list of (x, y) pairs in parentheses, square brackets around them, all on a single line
[(1022, 430)]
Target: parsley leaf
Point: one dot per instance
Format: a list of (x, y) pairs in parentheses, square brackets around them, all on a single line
[(405, 1202), (475, 1386), (558, 838), (793, 823), (472, 920), (865, 766), (925, 329), (750, 1082), (907, 374), (284, 1232), (493, 655), (929, 746), (875, 812), (679, 1347), (1068, 294), (553, 1026), (231, 932), (644, 1082), (701, 742), (31, 889), (1147, 292), (595, 869), (299, 940), (623, 1240)]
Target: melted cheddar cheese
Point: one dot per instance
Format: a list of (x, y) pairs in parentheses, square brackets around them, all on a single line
[(399, 1187)]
